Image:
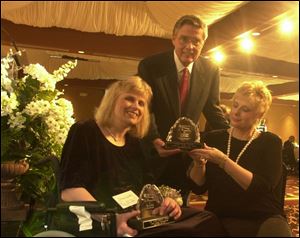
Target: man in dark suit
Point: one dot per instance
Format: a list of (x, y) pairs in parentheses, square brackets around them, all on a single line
[(163, 72), (288, 155)]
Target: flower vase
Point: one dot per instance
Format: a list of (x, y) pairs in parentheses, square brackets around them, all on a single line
[(9, 200)]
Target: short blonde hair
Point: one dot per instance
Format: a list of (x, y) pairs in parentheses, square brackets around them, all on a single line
[(259, 93), (134, 84)]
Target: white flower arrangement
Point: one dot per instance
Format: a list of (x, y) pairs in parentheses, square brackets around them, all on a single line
[(35, 120)]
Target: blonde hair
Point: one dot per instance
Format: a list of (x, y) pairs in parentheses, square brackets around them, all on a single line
[(259, 93), (134, 84)]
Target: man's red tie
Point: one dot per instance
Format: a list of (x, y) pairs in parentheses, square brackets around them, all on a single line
[(184, 87)]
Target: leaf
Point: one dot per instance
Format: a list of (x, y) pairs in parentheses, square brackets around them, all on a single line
[(47, 95)]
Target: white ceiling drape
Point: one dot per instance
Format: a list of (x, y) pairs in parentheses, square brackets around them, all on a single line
[(133, 18)]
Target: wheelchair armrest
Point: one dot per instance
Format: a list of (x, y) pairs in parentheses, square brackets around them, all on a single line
[(106, 221), (93, 207)]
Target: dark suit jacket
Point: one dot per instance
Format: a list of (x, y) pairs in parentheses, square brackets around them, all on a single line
[(160, 72)]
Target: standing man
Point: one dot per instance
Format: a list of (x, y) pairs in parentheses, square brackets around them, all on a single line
[(183, 84), (288, 154)]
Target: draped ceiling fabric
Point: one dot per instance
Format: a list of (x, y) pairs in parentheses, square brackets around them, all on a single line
[(138, 18)]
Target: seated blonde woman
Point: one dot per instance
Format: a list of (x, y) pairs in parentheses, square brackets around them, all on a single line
[(241, 168)]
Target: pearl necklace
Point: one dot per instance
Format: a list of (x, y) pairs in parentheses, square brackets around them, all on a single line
[(245, 147)]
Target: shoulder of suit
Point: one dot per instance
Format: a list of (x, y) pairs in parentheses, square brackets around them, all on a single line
[(206, 63)]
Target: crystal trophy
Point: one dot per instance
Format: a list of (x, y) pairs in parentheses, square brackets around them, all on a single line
[(184, 135), (149, 199)]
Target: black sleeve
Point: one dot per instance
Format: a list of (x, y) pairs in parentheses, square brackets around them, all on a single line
[(76, 165), (269, 175), (146, 166)]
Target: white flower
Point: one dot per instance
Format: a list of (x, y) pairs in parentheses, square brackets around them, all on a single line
[(8, 103), (37, 108), (17, 121), (5, 80), (66, 106), (64, 70), (37, 71)]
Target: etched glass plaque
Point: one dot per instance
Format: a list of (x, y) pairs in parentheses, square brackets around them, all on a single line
[(149, 199), (184, 135)]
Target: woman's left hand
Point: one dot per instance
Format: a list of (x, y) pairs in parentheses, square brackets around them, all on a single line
[(168, 207)]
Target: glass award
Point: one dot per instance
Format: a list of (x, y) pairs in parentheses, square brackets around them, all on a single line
[(184, 135), (149, 199)]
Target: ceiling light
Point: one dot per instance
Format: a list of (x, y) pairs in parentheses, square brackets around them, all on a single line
[(55, 56), (218, 56), (246, 45), (80, 51), (286, 26), (255, 34)]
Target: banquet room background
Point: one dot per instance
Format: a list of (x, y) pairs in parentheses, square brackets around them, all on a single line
[(109, 38)]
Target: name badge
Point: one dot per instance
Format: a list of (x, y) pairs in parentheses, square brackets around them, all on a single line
[(126, 199)]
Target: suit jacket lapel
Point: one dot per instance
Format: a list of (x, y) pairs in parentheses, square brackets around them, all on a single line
[(196, 86), (170, 84)]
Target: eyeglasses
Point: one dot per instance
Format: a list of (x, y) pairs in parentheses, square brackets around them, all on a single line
[(185, 40)]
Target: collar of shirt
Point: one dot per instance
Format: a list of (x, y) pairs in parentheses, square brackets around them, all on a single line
[(180, 67)]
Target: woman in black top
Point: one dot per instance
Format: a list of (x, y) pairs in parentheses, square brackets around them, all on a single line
[(243, 175), (102, 158)]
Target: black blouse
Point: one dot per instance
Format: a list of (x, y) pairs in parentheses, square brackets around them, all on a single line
[(263, 158), (89, 160)]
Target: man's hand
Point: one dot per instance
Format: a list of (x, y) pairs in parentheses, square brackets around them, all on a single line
[(159, 146)]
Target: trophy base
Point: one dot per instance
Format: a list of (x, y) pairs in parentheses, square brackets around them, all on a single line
[(142, 224), (183, 145)]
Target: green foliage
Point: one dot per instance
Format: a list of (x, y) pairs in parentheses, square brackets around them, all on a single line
[(34, 224)]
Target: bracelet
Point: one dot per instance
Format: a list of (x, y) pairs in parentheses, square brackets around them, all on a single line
[(223, 163)]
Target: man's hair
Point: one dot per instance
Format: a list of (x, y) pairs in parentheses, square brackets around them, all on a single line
[(193, 21), (134, 84)]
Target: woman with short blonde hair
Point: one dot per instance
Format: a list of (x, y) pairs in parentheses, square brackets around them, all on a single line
[(241, 168), (258, 93)]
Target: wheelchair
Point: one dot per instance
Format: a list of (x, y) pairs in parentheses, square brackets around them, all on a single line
[(73, 219)]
